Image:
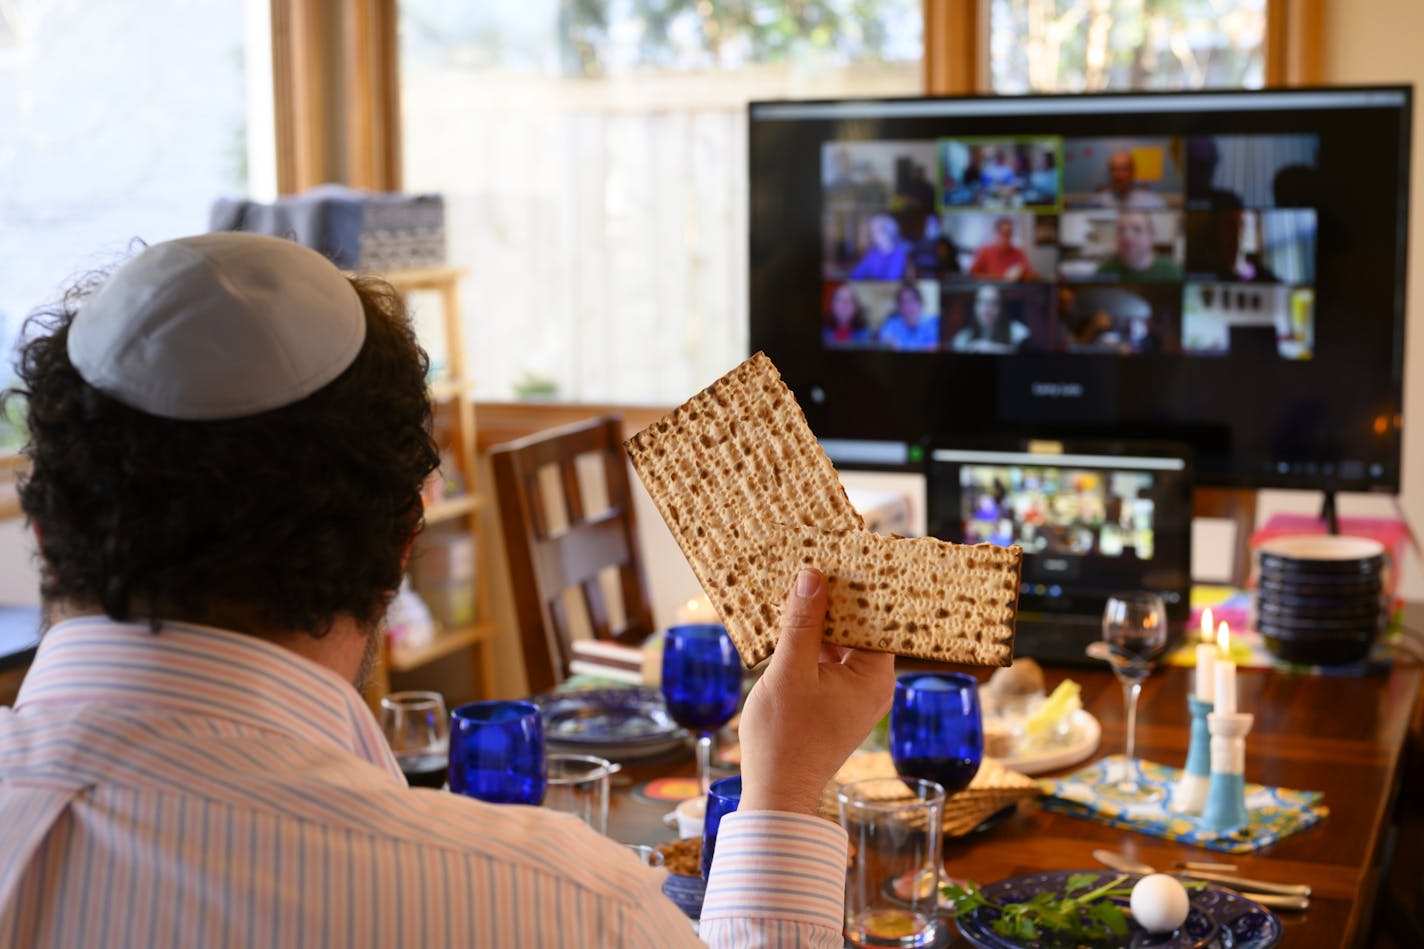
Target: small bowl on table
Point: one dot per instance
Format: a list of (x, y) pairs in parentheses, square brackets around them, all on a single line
[(684, 884)]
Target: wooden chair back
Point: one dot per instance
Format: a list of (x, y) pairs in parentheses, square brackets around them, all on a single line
[(570, 542)]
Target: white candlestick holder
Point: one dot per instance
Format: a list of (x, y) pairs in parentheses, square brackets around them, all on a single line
[(1225, 808)]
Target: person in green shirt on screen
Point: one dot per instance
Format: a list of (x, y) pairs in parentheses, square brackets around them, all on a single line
[(1137, 258)]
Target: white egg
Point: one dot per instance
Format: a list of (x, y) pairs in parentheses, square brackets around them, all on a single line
[(1159, 903)]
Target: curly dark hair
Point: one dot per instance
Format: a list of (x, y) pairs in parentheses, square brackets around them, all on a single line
[(276, 522)]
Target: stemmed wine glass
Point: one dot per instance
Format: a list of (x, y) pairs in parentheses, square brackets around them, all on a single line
[(702, 684), (936, 728), (417, 728), (1135, 630)]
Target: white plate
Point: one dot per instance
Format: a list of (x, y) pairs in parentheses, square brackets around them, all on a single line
[(1079, 745)]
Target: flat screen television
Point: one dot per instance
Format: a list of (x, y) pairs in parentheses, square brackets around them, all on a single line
[(1224, 269)]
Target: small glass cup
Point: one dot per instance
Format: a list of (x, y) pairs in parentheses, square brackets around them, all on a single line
[(578, 785), (895, 827), (722, 799), (417, 728), (497, 752), (648, 856)]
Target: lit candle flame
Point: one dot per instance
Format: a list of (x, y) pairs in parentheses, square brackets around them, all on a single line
[(692, 606), (1223, 638), (1206, 626)]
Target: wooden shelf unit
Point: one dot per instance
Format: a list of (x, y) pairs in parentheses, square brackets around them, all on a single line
[(452, 395)]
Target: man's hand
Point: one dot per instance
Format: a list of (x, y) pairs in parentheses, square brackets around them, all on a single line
[(812, 707)]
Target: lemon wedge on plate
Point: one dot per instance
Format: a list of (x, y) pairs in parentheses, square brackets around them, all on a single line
[(1044, 723)]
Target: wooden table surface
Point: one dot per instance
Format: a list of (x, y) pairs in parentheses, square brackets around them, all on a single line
[(1342, 736)]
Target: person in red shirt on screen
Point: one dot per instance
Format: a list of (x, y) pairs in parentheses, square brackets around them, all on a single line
[(1002, 259)]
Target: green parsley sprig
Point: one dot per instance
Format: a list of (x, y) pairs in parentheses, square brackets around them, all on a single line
[(1084, 913)]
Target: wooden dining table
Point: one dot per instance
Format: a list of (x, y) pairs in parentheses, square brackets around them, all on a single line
[(1344, 736)]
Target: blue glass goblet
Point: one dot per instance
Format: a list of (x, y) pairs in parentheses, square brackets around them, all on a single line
[(702, 684), (497, 752), (936, 730), (722, 799)]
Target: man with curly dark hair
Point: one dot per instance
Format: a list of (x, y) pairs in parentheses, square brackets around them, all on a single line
[(228, 439)]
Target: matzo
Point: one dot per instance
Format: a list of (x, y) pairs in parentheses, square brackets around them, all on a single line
[(736, 473), (738, 449), (913, 597)]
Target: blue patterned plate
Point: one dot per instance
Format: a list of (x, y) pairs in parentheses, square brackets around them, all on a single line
[(627, 722), (1218, 917)]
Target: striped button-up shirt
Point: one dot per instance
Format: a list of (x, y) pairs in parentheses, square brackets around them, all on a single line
[(197, 787)]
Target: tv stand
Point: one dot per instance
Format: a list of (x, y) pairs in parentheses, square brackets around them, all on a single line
[(1327, 512)]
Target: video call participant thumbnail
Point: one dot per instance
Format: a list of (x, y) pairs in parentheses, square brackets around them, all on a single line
[(1122, 174), (845, 322), (1232, 172), (1136, 258), (1002, 258), (1252, 246), (1000, 173), (910, 326), (1000, 318), (885, 258), (1120, 320)]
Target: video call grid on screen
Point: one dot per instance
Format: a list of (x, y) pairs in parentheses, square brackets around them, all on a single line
[(1106, 244), (1317, 353)]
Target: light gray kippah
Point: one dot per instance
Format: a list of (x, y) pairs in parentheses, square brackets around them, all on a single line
[(218, 326)]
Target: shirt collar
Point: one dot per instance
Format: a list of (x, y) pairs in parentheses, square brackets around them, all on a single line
[(203, 671)]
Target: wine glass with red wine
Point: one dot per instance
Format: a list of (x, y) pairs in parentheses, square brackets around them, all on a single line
[(1135, 630), (936, 728), (418, 730)]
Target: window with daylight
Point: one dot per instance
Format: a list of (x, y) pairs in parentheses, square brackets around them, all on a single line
[(105, 142), (1102, 45), (592, 156)]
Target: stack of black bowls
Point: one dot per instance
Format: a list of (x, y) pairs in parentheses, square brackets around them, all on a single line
[(1320, 598)]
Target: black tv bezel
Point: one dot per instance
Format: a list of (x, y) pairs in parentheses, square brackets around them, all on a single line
[(806, 366)]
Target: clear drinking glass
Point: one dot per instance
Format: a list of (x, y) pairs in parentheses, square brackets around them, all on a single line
[(650, 857), (417, 728), (1135, 630), (895, 827), (578, 785), (702, 684)]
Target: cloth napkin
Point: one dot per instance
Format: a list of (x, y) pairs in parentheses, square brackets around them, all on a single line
[(1275, 812)]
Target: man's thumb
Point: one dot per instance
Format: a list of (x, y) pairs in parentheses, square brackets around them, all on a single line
[(803, 619)]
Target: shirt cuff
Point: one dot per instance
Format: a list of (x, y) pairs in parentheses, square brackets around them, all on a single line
[(778, 865)]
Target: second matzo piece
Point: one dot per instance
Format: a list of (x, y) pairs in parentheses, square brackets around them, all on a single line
[(913, 597)]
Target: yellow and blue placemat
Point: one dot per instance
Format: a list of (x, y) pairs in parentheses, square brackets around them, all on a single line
[(1090, 792)]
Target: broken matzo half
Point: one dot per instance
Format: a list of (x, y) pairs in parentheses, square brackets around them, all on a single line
[(913, 597), (740, 451)]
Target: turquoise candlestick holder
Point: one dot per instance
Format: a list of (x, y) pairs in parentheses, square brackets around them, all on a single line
[(1189, 795)]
